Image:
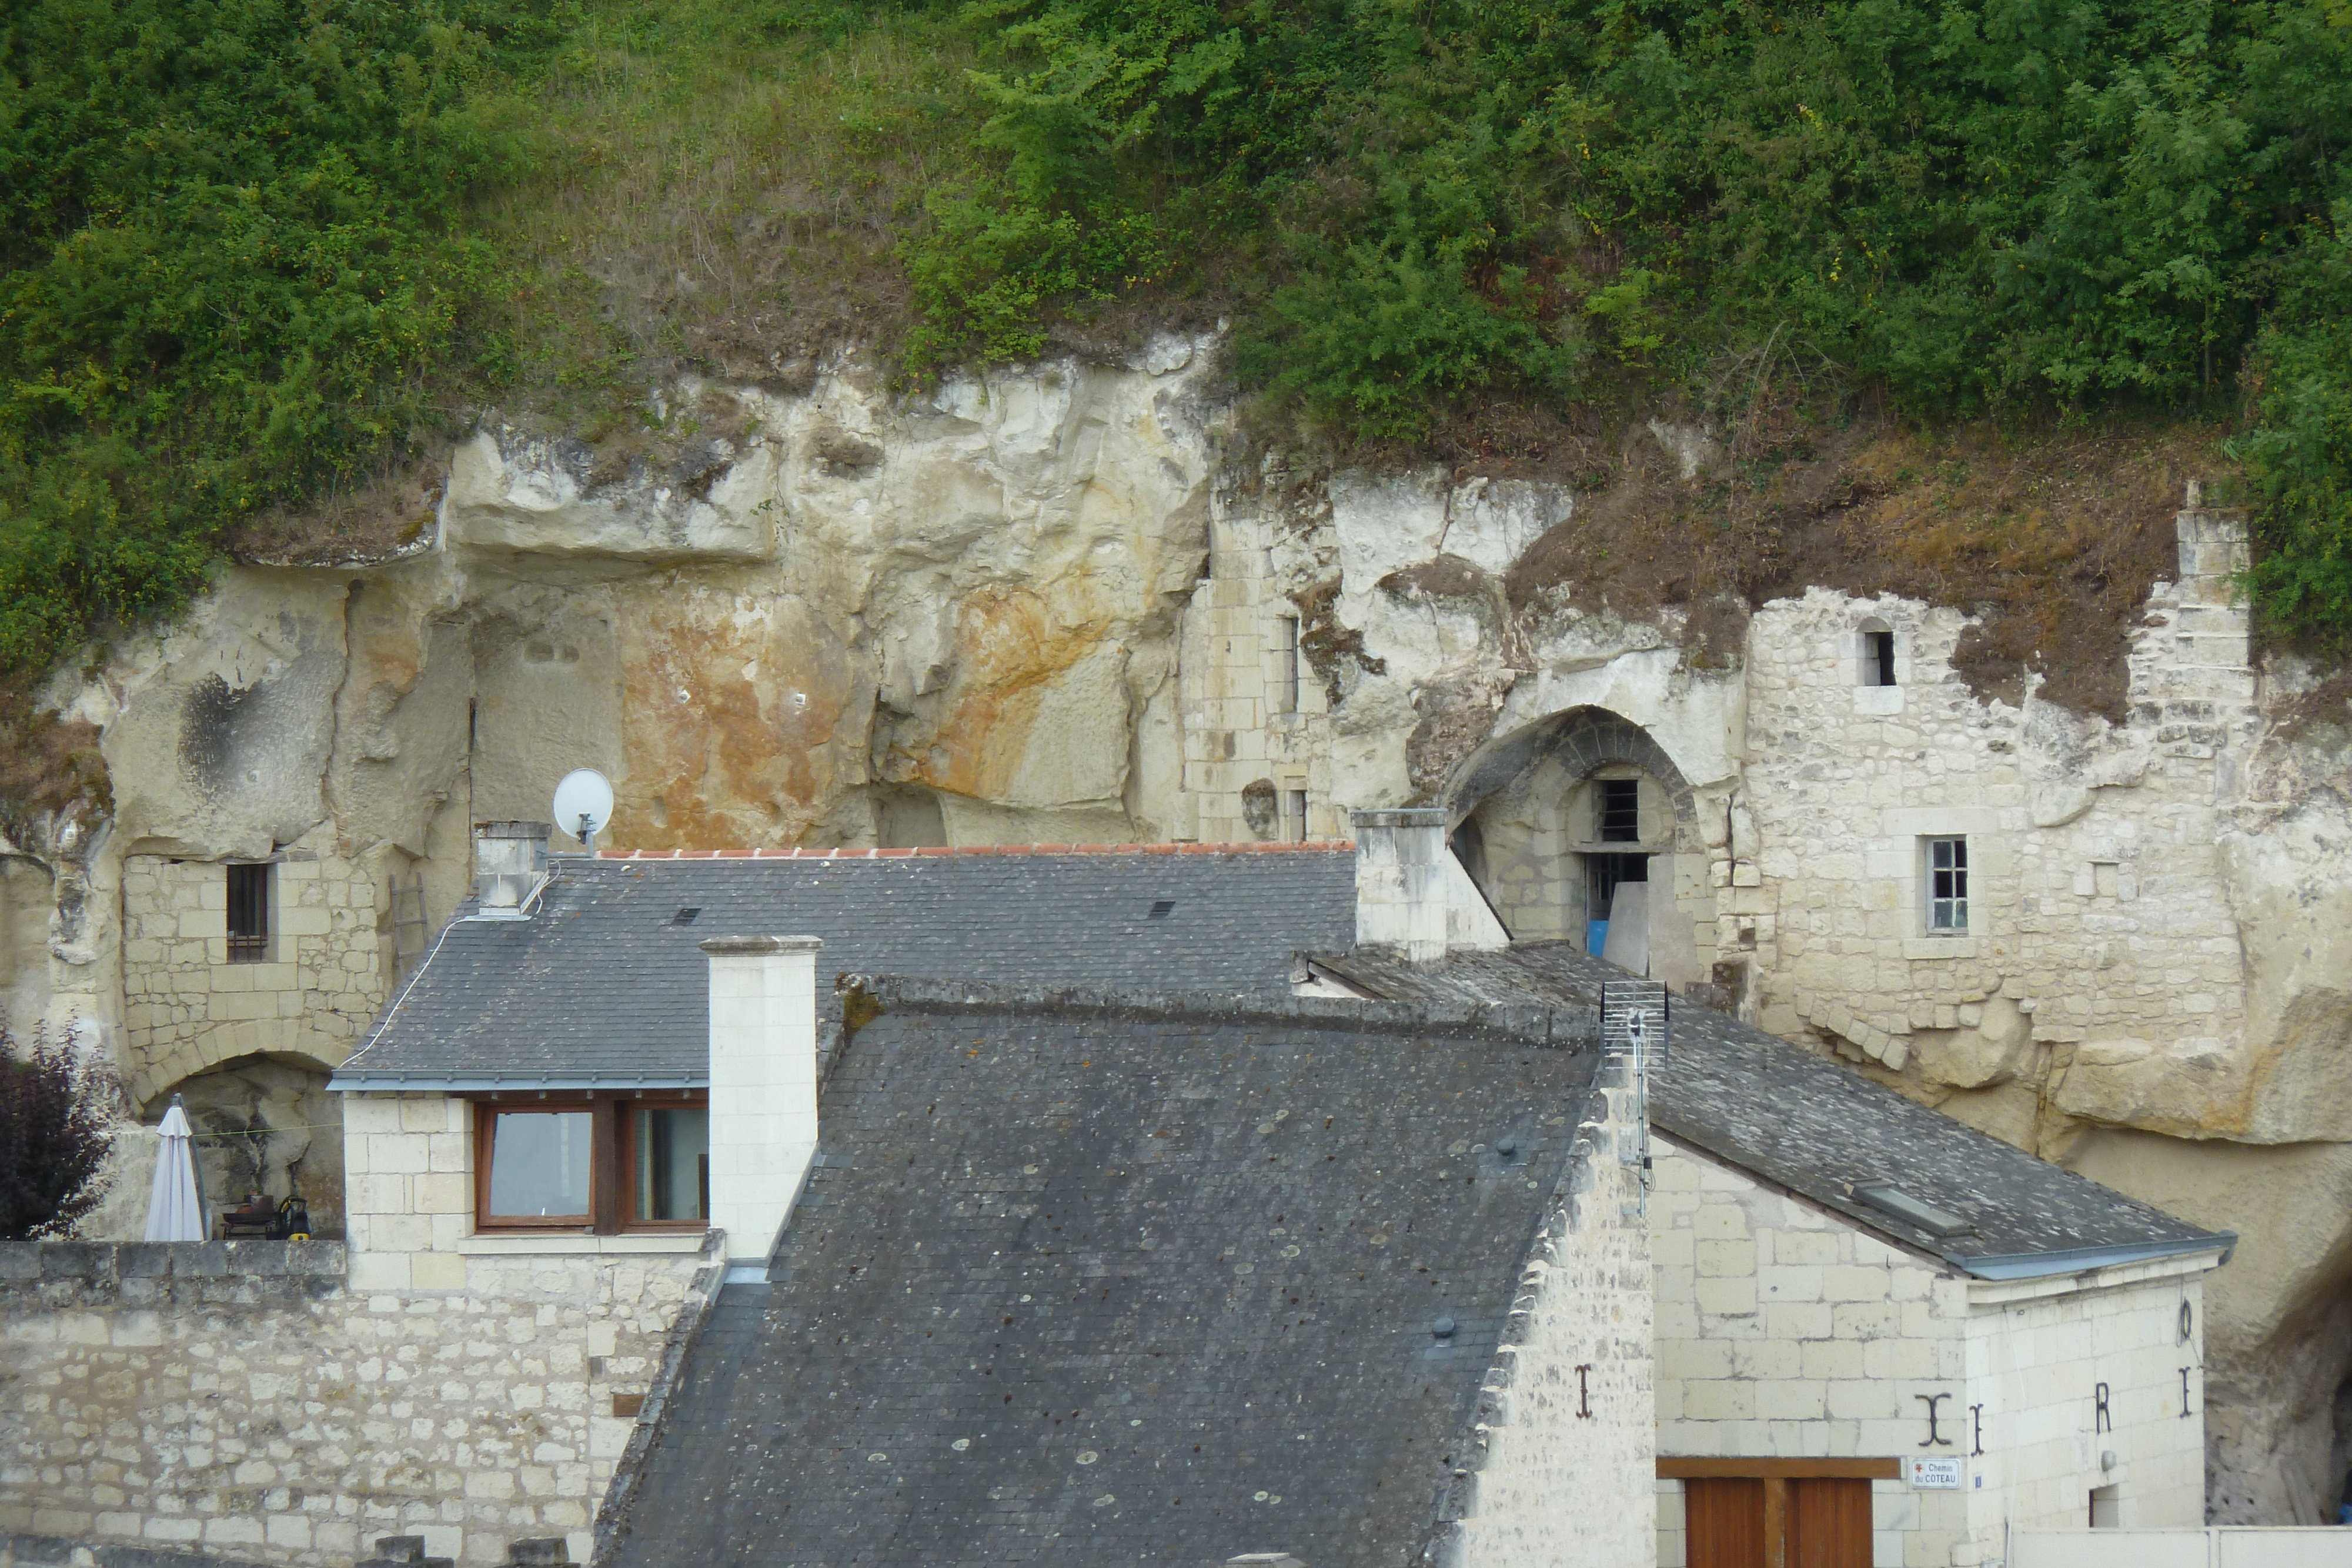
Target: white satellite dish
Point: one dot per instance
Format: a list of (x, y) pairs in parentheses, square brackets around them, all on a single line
[(583, 804)]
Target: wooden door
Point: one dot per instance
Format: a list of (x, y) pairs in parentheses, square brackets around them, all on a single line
[(1799, 1522), (1829, 1523), (1724, 1521)]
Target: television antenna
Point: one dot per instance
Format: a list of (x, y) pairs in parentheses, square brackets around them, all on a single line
[(583, 804), (1634, 1018)]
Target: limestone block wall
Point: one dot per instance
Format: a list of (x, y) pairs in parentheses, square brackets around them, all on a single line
[(1785, 1332), (2098, 913), (1568, 1411), (241, 1399), (186, 1007), (1240, 723), (2038, 1356)]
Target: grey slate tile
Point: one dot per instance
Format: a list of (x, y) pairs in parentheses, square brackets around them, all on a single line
[(1169, 1279), (1806, 1122), (601, 983)]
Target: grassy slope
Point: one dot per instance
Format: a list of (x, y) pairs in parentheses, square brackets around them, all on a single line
[(1500, 235)]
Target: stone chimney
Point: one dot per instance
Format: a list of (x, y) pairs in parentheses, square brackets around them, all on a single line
[(762, 1084), (510, 862), (1400, 881)]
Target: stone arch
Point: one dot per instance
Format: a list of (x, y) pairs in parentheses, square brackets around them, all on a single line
[(1550, 850), (1582, 741), (266, 1118)]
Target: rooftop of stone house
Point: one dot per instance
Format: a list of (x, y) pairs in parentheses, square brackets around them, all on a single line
[(1086, 1278), (1820, 1130), (604, 982)]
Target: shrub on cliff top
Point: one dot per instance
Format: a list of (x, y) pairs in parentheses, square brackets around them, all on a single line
[(229, 256), (244, 255), (55, 1110)]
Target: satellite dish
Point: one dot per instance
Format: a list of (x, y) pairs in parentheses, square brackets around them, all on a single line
[(583, 804)]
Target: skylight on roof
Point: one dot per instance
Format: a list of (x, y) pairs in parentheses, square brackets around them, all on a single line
[(1161, 909), (1888, 1198), (686, 916)]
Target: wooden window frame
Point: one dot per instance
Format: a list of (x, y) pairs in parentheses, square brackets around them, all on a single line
[(1953, 902), (486, 1117), (612, 1189), (626, 1167)]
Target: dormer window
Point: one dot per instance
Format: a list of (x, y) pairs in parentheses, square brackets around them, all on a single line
[(602, 1162)]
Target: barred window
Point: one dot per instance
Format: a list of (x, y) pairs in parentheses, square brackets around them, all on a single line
[(1947, 885), (1617, 812), (248, 914)]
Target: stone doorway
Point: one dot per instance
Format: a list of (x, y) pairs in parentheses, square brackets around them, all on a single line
[(1579, 818)]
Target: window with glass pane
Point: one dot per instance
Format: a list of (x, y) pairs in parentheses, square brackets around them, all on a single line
[(1948, 885), (673, 1150), (539, 1166)]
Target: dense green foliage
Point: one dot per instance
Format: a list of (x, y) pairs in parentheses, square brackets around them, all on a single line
[(227, 229), (243, 257), (1997, 205)]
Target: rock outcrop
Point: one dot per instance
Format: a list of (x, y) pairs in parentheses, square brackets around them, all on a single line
[(1048, 606)]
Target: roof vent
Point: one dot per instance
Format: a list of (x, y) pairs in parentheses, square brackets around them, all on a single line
[(686, 916), (1163, 909), (1891, 1199)]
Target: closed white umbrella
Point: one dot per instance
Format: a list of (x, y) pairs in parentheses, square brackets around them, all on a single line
[(174, 1212)]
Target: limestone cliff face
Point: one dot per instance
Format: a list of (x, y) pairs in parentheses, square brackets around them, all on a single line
[(1048, 606)]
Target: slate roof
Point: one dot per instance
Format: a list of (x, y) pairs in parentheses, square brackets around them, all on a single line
[(603, 986), (1812, 1127), (1082, 1283)]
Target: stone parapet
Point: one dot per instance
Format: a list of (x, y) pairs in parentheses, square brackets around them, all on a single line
[(107, 1265)]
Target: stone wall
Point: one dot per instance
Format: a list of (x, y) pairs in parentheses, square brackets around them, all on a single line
[(187, 1008), (2098, 916), (1785, 1332), (1568, 1412), (240, 1399), (1238, 722)]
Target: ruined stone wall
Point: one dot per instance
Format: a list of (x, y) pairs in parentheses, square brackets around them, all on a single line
[(2098, 916), (240, 1399)]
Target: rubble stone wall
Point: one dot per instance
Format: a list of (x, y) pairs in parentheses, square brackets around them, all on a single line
[(241, 1399), (1569, 1410)]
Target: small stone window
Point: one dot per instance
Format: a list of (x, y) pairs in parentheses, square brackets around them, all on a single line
[(1877, 648), (1947, 885), (1617, 811), (1286, 669), (1294, 815), (248, 914)]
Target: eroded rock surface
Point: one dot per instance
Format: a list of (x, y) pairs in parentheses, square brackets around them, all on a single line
[(1048, 606)]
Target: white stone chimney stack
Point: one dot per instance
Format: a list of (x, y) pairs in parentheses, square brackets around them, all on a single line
[(762, 1084), (509, 861), (1400, 881)]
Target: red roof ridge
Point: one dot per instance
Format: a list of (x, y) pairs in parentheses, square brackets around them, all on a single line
[(1293, 846)]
